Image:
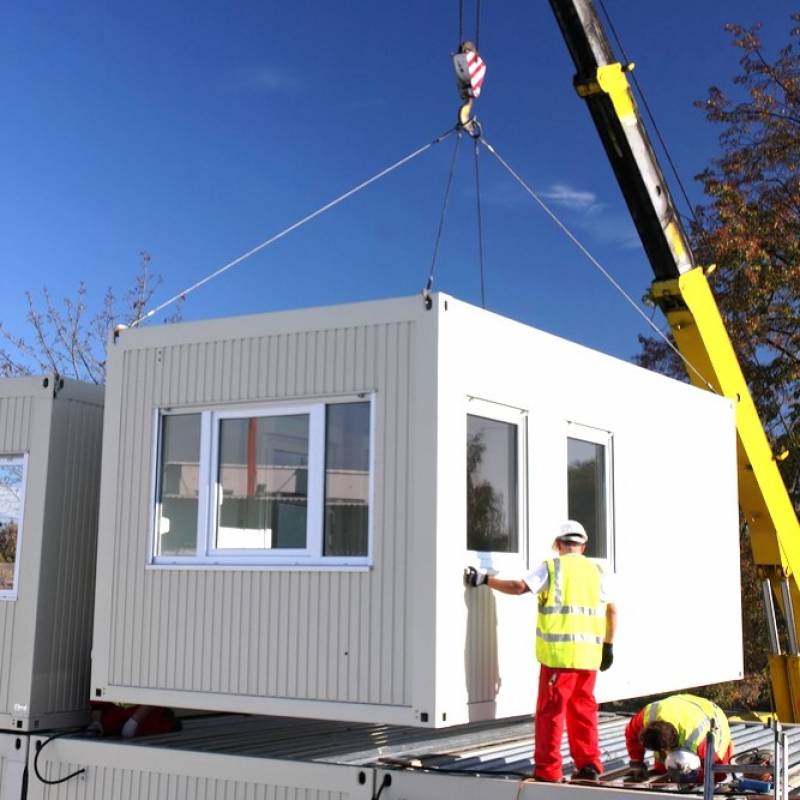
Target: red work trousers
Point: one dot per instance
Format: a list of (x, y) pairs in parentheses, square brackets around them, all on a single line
[(565, 694)]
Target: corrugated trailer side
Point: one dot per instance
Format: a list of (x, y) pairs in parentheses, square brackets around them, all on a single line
[(13, 760), (117, 770), (50, 443)]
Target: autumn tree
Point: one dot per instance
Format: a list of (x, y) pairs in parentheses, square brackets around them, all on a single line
[(750, 228), (66, 337)]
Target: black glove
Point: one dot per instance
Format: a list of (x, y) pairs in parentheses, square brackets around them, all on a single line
[(474, 577), (638, 771), (608, 656)]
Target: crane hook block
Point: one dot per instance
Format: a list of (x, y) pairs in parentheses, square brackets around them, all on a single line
[(470, 72)]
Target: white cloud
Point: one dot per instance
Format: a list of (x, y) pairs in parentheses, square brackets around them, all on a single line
[(561, 194)]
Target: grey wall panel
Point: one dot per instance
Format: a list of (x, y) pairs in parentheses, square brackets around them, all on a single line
[(64, 628), (103, 783), (336, 635), (15, 437)]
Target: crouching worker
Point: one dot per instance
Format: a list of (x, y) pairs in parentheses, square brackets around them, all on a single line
[(127, 720), (574, 632), (675, 728)]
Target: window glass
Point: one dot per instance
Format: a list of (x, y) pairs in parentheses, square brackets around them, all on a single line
[(492, 496), (178, 484), (11, 502), (346, 479), (586, 482), (262, 482)]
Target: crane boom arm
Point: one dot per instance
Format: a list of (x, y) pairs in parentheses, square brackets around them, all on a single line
[(682, 292)]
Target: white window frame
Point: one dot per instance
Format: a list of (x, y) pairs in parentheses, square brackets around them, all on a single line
[(14, 459), (586, 433), (207, 555), (315, 496), (498, 412)]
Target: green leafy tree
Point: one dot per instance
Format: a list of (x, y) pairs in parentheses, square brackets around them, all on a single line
[(750, 228)]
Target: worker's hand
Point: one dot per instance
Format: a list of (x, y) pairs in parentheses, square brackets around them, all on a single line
[(608, 656), (638, 771), (474, 577), (129, 728)]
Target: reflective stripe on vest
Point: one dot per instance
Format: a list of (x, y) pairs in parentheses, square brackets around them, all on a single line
[(571, 623), (691, 717)]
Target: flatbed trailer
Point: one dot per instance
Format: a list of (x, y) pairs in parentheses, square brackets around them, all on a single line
[(233, 756)]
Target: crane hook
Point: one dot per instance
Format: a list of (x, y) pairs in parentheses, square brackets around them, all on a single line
[(470, 72)]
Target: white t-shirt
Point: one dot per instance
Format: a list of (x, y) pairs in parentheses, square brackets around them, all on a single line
[(537, 580)]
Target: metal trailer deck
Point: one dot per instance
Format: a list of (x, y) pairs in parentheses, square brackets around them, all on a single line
[(233, 756)]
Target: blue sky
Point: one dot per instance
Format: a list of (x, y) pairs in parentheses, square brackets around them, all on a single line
[(194, 132)]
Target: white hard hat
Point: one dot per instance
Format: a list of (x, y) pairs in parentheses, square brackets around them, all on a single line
[(572, 532), (682, 761)]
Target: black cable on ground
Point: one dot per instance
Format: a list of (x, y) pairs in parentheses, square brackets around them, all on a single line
[(480, 219), (426, 292), (386, 782), (39, 752)]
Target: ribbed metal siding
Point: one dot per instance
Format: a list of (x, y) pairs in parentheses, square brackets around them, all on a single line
[(480, 659), (104, 783), (74, 537), (15, 435), (311, 635)]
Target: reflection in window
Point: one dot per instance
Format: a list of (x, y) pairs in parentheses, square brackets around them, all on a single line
[(263, 482), (586, 482), (11, 502), (178, 489), (492, 498), (346, 479)]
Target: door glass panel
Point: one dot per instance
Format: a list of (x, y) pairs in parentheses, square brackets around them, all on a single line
[(492, 494), (586, 481)]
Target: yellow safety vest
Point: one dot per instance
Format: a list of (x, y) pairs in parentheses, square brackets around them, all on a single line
[(691, 717), (572, 615)]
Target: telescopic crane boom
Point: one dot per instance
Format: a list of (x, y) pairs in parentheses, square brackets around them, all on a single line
[(682, 291)]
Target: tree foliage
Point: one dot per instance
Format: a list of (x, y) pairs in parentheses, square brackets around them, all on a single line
[(750, 228), (67, 337)]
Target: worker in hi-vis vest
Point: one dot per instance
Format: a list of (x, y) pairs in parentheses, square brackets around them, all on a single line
[(574, 635), (676, 725)]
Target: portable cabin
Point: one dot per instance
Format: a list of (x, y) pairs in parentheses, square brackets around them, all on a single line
[(289, 500), (50, 444), (13, 764)]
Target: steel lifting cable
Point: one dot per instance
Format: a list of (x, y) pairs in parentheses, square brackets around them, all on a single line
[(363, 185), (649, 113), (477, 23), (610, 278), (480, 218), (426, 292)]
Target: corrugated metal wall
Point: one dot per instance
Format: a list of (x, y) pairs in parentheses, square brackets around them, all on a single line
[(104, 783), (64, 629), (312, 635), (15, 436)]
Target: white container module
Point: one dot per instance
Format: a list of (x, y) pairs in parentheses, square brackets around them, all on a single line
[(13, 761), (107, 769), (289, 500), (50, 442)]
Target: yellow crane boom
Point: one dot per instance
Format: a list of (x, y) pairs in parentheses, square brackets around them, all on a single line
[(682, 291)]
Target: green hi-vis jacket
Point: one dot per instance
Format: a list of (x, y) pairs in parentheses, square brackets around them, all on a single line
[(572, 615), (691, 717)]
